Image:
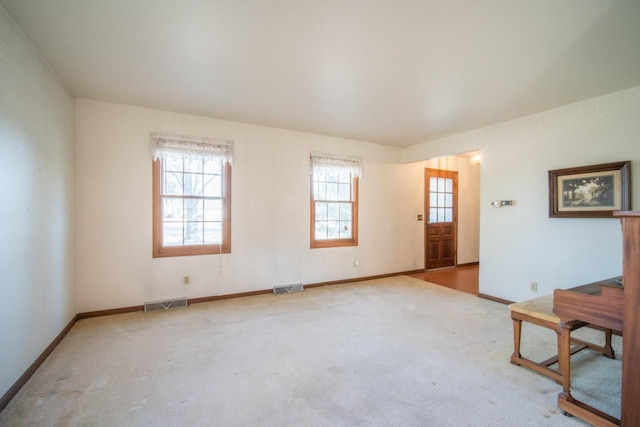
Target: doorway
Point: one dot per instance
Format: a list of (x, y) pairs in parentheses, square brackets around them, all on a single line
[(441, 206)]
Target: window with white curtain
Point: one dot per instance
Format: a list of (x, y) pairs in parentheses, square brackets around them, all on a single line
[(191, 195), (334, 200)]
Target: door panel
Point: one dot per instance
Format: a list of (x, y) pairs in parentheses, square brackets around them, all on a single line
[(441, 197)]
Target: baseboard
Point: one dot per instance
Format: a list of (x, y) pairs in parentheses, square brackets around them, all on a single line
[(229, 296), (4, 401), (307, 286), (13, 390), (109, 312), (496, 299), (469, 264), (361, 279), (244, 294)]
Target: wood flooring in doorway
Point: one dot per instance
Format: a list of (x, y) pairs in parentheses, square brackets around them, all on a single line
[(463, 279)]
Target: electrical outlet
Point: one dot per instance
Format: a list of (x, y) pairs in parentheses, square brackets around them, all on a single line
[(356, 263), (534, 286), (186, 280)]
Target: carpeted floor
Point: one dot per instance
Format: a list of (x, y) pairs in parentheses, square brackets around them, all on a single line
[(388, 352)]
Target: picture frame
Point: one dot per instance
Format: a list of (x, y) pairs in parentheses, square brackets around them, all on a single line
[(594, 191)]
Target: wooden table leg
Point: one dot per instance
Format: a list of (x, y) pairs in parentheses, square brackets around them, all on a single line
[(607, 344), (517, 333), (564, 360)]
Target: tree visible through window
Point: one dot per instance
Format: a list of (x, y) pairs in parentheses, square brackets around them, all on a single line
[(192, 203), (334, 201)]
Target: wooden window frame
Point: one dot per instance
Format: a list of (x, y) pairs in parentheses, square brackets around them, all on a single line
[(335, 243), (160, 251)]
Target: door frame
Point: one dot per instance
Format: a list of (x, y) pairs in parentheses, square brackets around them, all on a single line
[(426, 204)]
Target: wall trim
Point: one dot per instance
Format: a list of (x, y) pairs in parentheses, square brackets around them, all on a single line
[(361, 279), (229, 296), (495, 299), (109, 312), (469, 264), (15, 388), (307, 286), (245, 294)]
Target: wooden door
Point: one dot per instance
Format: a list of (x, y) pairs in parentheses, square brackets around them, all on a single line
[(441, 199)]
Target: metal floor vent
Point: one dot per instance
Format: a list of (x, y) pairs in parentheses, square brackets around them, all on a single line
[(287, 289), (166, 304)]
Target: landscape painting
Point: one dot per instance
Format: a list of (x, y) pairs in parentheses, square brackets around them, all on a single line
[(595, 191)]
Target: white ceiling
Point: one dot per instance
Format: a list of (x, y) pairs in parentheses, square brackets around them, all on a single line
[(396, 72)]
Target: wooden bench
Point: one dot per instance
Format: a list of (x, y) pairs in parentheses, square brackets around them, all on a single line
[(539, 312)]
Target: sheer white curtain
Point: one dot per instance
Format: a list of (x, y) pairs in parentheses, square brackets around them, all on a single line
[(191, 146), (349, 163)]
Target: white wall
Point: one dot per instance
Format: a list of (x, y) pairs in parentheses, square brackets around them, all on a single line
[(520, 244), (270, 211), (37, 205)]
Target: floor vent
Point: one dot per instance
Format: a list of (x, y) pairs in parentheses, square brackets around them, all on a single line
[(166, 304), (287, 289)]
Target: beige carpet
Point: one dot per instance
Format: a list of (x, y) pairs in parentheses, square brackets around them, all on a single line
[(389, 352)]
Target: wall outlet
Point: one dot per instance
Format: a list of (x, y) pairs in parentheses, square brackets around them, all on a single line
[(186, 280), (534, 286), (356, 263)]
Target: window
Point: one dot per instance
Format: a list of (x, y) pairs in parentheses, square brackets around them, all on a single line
[(191, 196), (334, 200), (441, 191)]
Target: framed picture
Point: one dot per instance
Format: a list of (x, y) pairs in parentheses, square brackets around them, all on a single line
[(590, 191)]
